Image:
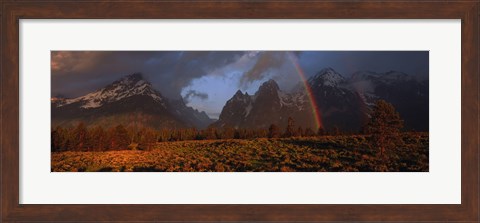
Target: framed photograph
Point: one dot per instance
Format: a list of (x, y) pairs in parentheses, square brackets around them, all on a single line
[(239, 111)]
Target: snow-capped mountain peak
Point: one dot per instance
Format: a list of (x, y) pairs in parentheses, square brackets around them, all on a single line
[(387, 77), (326, 77), (363, 76), (128, 86), (130, 101), (392, 76)]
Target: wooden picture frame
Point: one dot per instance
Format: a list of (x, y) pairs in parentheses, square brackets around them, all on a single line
[(12, 11)]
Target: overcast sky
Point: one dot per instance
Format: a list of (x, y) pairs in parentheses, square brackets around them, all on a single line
[(207, 79)]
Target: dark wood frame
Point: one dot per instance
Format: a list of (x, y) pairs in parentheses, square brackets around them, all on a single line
[(12, 11)]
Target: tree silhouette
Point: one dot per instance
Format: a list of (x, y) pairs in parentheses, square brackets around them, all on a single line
[(227, 133), (336, 131), (119, 138), (309, 132), (290, 131), (58, 138), (321, 131), (300, 132), (98, 138), (79, 141), (210, 133), (273, 131), (384, 126)]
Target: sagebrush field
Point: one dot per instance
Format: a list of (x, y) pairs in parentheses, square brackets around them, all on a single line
[(306, 154)]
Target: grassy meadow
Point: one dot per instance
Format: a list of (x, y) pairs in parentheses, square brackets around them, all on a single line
[(304, 154)]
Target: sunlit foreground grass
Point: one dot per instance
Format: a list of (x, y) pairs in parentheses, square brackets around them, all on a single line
[(327, 153)]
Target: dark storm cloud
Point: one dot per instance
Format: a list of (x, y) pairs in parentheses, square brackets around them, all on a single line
[(75, 73), (207, 79), (272, 64), (266, 61), (191, 65), (78, 72), (194, 94), (347, 62)]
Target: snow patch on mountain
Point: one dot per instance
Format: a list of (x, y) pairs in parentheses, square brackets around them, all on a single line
[(296, 99), (248, 109), (326, 77), (128, 86)]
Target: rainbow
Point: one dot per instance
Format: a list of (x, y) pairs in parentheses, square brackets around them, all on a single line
[(315, 110)]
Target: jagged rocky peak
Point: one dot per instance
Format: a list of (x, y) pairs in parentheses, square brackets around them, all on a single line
[(238, 94), (327, 77), (363, 76), (270, 84), (131, 94), (134, 80), (269, 87), (398, 76), (128, 86), (269, 105), (179, 109)]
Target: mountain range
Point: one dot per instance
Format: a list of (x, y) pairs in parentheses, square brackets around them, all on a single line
[(343, 103), (131, 101)]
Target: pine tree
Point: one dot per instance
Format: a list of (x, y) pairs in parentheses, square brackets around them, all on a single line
[(309, 132), (211, 133), (148, 138), (99, 138), (79, 137), (57, 139), (336, 131), (228, 133), (321, 131), (261, 133), (273, 131), (164, 135), (290, 131), (299, 132), (236, 135), (119, 138), (385, 126)]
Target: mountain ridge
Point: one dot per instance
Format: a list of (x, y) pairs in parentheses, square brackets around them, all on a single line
[(130, 96), (343, 103)]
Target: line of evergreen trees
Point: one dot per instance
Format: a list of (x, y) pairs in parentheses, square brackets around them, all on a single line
[(81, 138), (384, 127)]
